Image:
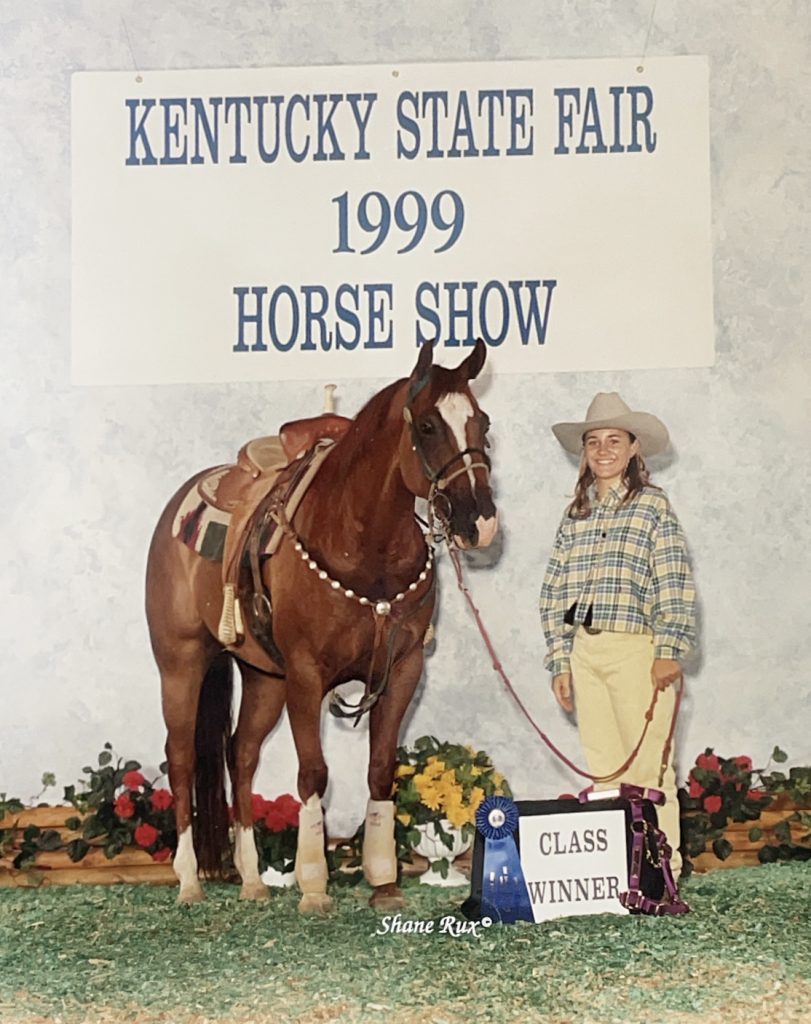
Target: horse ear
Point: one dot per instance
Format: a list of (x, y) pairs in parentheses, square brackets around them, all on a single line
[(471, 367), (421, 372), (424, 361)]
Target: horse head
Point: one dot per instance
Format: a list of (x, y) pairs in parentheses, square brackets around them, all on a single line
[(442, 450)]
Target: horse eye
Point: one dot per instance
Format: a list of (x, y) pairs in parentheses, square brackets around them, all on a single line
[(426, 428)]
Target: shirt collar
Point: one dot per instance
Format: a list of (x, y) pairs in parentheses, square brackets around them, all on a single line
[(613, 498)]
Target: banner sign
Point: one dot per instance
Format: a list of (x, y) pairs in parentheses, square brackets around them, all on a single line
[(574, 863), (300, 223)]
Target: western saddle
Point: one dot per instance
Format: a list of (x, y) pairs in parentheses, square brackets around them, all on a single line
[(241, 489)]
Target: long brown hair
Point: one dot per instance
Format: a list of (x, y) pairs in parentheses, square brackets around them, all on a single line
[(636, 477)]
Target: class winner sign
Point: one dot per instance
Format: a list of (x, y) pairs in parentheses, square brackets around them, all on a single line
[(299, 223)]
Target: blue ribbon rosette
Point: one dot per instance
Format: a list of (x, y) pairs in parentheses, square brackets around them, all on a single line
[(504, 891)]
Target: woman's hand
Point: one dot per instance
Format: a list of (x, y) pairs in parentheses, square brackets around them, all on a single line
[(664, 672), (562, 688)]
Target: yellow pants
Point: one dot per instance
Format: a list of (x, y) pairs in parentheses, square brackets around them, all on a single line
[(611, 677)]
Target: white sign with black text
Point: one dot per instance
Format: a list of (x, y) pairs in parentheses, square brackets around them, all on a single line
[(574, 863)]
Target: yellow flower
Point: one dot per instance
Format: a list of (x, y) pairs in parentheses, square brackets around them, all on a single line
[(404, 769), (429, 793), (476, 797), (457, 816), (434, 767), (475, 770), (404, 819)]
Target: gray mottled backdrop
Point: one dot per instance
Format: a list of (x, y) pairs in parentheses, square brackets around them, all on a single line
[(88, 470)]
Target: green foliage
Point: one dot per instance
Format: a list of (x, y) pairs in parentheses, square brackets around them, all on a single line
[(722, 790), (121, 808), (9, 805)]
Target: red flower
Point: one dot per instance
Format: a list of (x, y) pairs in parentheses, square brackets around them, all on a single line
[(132, 780), (757, 794), (712, 804), (289, 807), (124, 807), (744, 762), (709, 761), (164, 853), (274, 819), (258, 806), (696, 789), (146, 834), (161, 800)]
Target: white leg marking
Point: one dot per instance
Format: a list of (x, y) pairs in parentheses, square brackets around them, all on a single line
[(185, 865), (246, 860)]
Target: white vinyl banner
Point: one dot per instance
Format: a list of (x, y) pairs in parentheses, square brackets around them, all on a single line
[(300, 223)]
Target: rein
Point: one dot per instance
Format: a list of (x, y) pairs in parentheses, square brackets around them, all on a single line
[(499, 668)]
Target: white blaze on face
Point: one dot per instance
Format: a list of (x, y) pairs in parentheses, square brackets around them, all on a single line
[(456, 410)]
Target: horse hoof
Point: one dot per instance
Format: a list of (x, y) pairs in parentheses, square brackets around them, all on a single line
[(387, 898), (192, 895), (254, 891), (314, 903)]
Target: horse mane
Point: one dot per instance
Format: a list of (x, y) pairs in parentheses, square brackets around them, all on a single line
[(373, 419)]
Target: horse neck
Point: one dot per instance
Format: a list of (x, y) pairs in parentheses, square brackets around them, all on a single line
[(360, 502)]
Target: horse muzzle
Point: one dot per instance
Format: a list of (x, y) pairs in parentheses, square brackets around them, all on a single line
[(481, 535)]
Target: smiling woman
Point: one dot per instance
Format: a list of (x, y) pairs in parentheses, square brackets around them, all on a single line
[(617, 603)]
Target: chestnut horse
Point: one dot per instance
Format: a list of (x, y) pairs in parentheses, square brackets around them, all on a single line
[(352, 592)]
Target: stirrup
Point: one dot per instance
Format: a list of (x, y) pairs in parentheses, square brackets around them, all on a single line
[(230, 630)]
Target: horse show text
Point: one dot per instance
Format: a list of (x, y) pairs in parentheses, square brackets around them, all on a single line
[(433, 124)]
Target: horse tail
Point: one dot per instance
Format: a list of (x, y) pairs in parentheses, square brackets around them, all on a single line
[(212, 741)]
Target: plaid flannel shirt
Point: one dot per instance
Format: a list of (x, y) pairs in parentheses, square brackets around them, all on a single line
[(629, 564)]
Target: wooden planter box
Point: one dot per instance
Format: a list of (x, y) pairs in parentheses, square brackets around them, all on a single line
[(745, 850), (132, 865)]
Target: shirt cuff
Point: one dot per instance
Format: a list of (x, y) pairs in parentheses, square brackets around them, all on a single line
[(558, 665), (665, 649)]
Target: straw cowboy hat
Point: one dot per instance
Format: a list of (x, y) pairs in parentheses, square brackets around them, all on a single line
[(607, 409)]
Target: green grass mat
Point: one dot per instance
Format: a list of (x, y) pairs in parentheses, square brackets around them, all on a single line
[(126, 953)]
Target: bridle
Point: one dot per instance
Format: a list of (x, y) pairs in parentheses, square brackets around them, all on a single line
[(440, 478)]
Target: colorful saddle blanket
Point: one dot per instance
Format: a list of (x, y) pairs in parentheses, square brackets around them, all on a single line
[(200, 524)]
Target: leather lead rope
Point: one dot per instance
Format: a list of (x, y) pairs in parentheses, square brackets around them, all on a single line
[(499, 668)]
